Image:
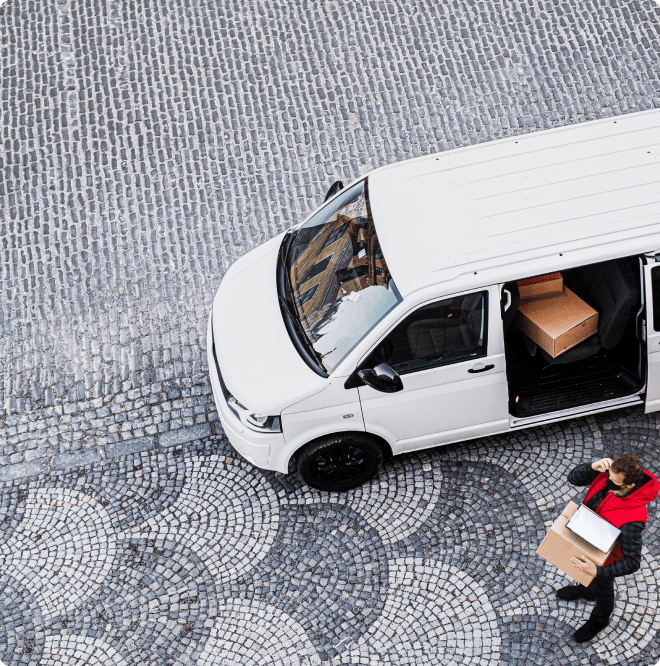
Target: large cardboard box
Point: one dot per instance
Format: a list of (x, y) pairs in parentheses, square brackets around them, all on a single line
[(552, 283), (560, 544), (557, 321)]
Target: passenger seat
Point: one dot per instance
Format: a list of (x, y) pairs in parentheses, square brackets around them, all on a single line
[(612, 291)]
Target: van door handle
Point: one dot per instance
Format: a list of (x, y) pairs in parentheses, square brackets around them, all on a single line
[(482, 368)]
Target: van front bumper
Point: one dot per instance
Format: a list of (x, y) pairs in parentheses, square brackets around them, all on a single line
[(265, 450)]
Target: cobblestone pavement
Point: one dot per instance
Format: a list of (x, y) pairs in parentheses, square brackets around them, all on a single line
[(147, 144), (192, 556), (144, 146)]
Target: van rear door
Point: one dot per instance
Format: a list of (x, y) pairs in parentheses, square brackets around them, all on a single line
[(652, 304)]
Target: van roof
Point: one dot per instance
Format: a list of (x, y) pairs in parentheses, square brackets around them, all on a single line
[(521, 206)]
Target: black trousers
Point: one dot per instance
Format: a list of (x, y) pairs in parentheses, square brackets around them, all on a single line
[(602, 592)]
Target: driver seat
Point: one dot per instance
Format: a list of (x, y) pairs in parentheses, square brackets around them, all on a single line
[(434, 337)]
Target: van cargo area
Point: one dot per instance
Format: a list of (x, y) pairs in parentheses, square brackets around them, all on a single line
[(606, 366)]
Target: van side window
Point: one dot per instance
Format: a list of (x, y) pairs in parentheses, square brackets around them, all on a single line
[(655, 290), (437, 334)]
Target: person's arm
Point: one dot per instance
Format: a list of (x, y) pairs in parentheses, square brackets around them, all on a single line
[(582, 475), (630, 542)]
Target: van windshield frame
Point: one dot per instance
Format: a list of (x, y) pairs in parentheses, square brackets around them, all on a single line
[(336, 282)]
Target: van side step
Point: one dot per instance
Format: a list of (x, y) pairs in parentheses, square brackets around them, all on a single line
[(576, 412), (584, 391)]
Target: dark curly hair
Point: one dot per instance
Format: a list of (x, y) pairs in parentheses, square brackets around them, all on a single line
[(630, 466)]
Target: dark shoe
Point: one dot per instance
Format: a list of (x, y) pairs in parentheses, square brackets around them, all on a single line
[(573, 593), (588, 630)]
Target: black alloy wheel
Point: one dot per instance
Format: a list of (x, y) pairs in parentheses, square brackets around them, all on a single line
[(339, 462)]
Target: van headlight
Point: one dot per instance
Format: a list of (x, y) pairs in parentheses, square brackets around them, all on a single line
[(257, 422), (261, 422)]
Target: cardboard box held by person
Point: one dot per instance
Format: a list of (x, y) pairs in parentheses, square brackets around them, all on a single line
[(560, 544), (553, 316)]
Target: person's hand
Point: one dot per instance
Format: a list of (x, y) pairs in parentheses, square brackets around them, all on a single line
[(587, 566), (602, 465)]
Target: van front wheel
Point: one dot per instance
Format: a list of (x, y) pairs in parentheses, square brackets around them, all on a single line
[(339, 462)]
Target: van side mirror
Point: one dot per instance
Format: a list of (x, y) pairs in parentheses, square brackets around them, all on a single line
[(334, 188), (381, 378)]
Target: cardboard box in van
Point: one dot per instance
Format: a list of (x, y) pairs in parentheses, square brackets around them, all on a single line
[(557, 321), (560, 544), (552, 283)]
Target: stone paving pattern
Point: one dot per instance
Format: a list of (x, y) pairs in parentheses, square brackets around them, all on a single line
[(193, 556), (146, 145)]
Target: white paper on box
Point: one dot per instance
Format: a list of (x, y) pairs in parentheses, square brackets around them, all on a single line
[(593, 529)]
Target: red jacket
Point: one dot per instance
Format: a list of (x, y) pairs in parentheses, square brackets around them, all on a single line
[(620, 510)]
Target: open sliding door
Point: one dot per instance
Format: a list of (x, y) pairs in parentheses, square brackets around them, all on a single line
[(652, 300)]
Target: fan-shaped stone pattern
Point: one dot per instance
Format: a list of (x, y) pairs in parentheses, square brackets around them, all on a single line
[(484, 523), (396, 502), (540, 458), (540, 640), (252, 632), (227, 512), (133, 489), (62, 550), (434, 613), (328, 572), (12, 505), (634, 622), (628, 417), (65, 650), (21, 635), (475, 504), (156, 607)]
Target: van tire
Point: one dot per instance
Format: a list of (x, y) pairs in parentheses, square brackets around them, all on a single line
[(339, 462)]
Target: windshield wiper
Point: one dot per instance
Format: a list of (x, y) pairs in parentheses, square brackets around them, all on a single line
[(295, 329), (301, 331), (291, 309)]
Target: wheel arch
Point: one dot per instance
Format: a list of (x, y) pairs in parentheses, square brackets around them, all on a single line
[(340, 461), (384, 445)]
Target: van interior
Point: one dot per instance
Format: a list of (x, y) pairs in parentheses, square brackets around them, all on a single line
[(606, 366)]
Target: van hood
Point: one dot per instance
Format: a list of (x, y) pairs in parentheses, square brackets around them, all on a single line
[(259, 364)]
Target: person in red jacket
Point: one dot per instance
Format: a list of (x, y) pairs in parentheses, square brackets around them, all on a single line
[(619, 491)]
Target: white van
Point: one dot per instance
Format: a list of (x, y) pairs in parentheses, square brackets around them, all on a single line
[(383, 323)]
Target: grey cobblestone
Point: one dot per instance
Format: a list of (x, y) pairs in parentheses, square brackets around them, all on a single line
[(145, 148), (67, 460), (193, 551), (185, 435), (20, 470), (129, 446)]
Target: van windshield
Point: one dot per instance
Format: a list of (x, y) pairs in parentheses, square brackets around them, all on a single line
[(341, 286)]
